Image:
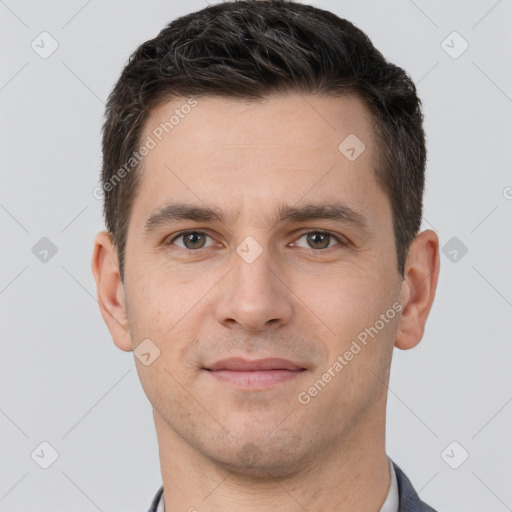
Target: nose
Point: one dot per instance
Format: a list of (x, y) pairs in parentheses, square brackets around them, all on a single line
[(254, 295)]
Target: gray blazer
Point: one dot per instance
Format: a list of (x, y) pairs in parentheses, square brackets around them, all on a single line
[(409, 499)]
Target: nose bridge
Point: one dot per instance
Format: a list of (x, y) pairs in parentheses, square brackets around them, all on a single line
[(253, 267), (253, 295)]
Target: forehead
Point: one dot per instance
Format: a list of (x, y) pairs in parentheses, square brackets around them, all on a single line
[(278, 122), (254, 152)]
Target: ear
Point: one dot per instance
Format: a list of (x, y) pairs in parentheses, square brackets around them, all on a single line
[(110, 291), (418, 288)]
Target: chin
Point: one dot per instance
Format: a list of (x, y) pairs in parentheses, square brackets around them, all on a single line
[(265, 460)]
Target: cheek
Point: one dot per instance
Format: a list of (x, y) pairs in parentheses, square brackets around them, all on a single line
[(350, 304), (160, 294), (172, 308), (346, 296), (161, 309)]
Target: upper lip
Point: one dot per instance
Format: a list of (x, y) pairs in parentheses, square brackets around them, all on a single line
[(240, 364)]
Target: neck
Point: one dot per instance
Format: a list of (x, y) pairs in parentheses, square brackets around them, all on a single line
[(352, 475)]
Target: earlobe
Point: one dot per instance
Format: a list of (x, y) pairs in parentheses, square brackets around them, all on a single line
[(418, 288), (110, 292)]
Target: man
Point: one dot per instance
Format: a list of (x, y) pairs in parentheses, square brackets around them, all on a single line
[(263, 175)]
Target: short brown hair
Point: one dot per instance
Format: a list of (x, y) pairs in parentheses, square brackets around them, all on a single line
[(249, 49)]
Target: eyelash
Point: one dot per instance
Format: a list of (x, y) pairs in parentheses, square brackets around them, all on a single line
[(341, 241)]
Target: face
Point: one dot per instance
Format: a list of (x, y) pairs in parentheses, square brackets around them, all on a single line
[(256, 238)]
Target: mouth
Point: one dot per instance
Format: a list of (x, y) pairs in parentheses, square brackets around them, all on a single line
[(257, 374)]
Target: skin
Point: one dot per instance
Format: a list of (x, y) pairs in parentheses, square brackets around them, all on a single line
[(223, 448)]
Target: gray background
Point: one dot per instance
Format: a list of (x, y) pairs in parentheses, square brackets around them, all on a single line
[(62, 379)]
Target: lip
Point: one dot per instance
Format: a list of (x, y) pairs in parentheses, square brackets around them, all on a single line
[(256, 374), (244, 365)]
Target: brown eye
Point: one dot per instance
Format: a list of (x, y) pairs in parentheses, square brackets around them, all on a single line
[(319, 240), (191, 240)]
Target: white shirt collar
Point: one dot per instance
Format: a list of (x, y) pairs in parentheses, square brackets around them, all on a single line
[(392, 500), (390, 504), (160, 507)]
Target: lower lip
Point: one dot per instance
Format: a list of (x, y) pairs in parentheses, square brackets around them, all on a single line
[(255, 379)]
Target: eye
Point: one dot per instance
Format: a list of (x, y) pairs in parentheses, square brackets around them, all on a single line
[(320, 240), (315, 240), (191, 240)]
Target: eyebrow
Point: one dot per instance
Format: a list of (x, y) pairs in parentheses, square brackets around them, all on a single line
[(338, 212)]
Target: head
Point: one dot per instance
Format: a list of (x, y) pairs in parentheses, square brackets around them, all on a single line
[(293, 154)]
